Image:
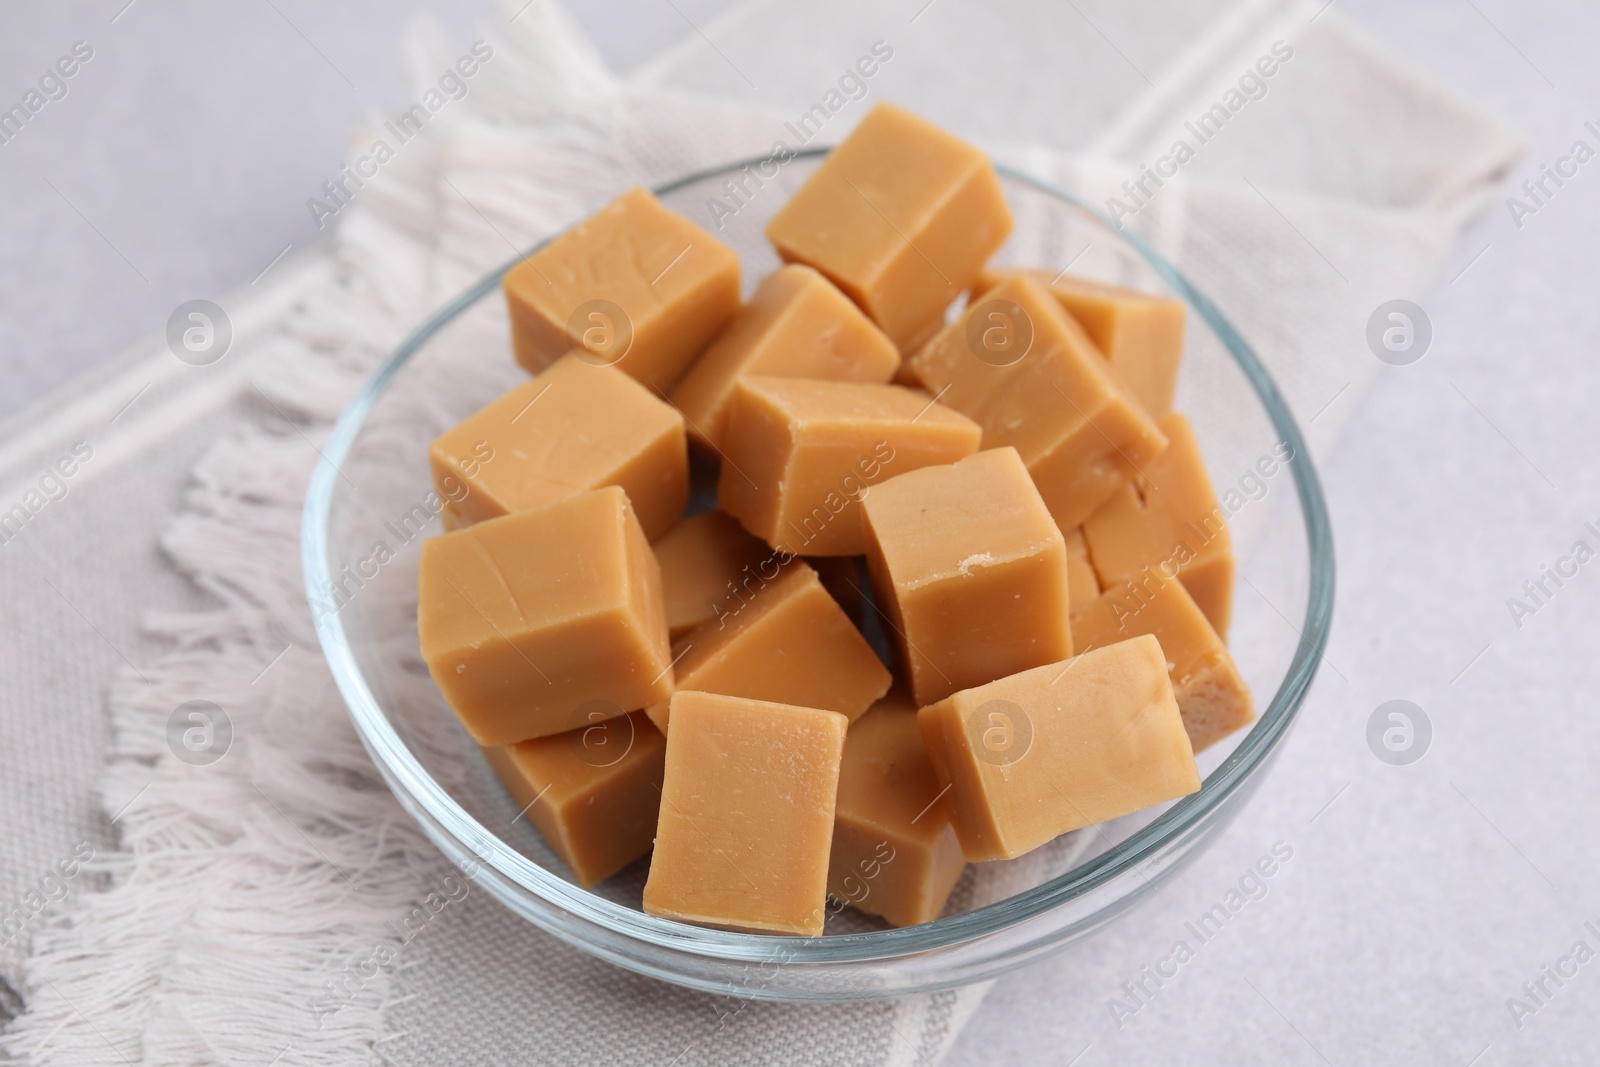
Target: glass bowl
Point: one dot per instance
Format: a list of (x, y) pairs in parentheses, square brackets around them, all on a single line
[(371, 504)]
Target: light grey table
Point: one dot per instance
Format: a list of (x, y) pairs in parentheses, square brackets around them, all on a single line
[(178, 163), (1419, 900)]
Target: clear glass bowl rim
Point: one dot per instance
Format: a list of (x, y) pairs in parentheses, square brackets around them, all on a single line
[(391, 753)]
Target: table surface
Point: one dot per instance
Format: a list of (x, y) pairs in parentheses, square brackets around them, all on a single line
[(1419, 900)]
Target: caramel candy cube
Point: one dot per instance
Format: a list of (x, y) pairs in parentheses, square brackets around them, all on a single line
[(1210, 582), (895, 852), (789, 642), (1140, 334), (901, 216), (1083, 585), (1027, 373), (800, 453), (572, 428), (526, 619), (1170, 521), (592, 792), (970, 572), (1211, 694), (1059, 747), (746, 815), (706, 560), (796, 325), (635, 285)]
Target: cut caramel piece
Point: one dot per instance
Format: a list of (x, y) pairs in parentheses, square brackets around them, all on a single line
[(1210, 692), (706, 560), (790, 642), (1209, 581), (572, 428), (1168, 521), (796, 325), (970, 572), (895, 852), (800, 453), (1059, 747), (901, 216), (592, 792), (746, 815), (526, 619), (1141, 335), (1028, 374), (635, 285), (1083, 585)]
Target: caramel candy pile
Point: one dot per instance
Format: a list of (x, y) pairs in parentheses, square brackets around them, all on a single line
[(983, 463)]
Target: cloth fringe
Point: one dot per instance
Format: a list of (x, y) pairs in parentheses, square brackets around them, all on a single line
[(294, 858)]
